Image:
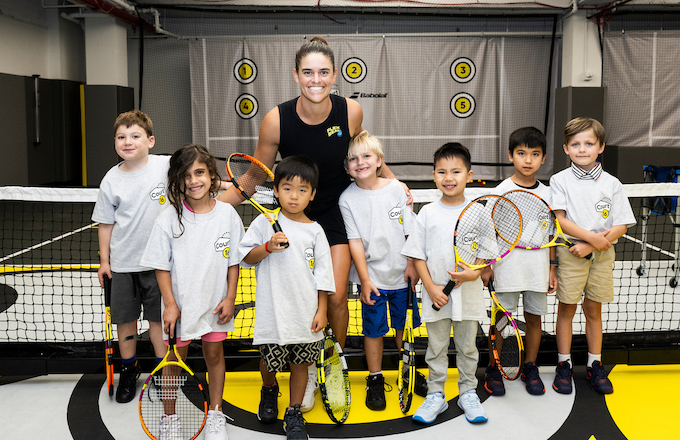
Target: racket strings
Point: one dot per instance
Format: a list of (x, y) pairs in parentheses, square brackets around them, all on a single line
[(538, 220), (335, 381), (173, 392), (487, 230), (252, 180), (507, 345)]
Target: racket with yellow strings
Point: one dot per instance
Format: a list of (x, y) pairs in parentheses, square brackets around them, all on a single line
[(407, 359), (108, 329), (506, 341)]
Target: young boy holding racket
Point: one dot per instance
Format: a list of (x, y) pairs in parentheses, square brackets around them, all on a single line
[(131, 197), (378, 220), (429, 246), (594, 212), (526, 153), (292, 287)]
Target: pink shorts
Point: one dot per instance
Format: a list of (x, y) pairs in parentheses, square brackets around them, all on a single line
[(210, 337)]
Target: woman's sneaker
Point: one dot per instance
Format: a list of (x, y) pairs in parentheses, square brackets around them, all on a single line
[(434, 404), (472, 407)]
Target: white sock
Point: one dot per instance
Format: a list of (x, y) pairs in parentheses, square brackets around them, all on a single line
[(563, 357), (592, 358), (312, 368), (376, 373)]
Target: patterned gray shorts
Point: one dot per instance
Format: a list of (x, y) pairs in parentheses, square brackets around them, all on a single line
[(277, 357)]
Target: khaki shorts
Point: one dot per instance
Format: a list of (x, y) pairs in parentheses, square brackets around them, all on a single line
[(577, 277)]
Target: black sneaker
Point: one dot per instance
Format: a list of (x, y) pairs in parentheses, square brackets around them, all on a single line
[(493, 381), (420, 387), (127, 383), (268, 410), (375, 392), (598, 378), (563, 374), (532, 379), (294, 424)]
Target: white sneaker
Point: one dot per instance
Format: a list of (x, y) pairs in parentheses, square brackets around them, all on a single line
[(310, 390), (216, 425), (170, 428), (472, 407), (434, 404)]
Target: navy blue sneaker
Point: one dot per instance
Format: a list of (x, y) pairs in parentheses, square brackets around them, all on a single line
[(598, 378), (493, 381), (532, 379), (563, 374)]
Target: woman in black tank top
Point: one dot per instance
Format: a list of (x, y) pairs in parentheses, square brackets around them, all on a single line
[(318, 125)]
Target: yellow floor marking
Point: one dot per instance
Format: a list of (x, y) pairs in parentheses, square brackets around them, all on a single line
[(242, 389), (644, 405)]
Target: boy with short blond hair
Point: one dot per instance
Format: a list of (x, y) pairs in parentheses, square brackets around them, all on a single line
[(429, 245), (378, 220), (594, 212), (131, 196), (527, 147)]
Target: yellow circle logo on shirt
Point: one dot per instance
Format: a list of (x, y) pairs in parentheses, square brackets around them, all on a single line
[(605, 213), (473, 246), (544, 225), (401, 219), (161, 200), (225, 252), (311, 264)]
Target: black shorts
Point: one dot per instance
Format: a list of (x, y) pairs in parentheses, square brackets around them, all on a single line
[(330, 219)]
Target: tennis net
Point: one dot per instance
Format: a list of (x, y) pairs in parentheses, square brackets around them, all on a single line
[(49, 291)]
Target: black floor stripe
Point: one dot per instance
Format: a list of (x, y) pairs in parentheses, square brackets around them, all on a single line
[(84, 419)]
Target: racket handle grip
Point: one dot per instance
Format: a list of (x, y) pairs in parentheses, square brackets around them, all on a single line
[(447, 291), (277, 228)]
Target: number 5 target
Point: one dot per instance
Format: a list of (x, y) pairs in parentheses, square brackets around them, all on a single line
[(463, 105)]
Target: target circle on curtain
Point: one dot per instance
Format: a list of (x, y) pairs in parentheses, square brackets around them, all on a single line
[(463, 70), (354, 70), (246, 106), (462, 105), (245, 71)]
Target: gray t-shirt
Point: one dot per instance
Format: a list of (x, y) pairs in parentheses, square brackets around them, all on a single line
[(432, 241), (288, 282), (523, 269), (594, 205), (382, 220), (131, 202), (198, 261)]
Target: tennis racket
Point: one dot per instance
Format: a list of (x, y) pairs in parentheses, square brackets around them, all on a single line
[(540, 228), (334, 379), (486, 231), (506, 341), (407, 360), (108, 328), (255, 182), (172, 401)]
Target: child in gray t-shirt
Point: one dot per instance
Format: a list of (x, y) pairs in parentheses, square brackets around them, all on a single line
[(378, 220), (293, 283)]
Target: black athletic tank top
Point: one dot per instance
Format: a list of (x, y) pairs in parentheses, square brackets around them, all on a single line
[(326, 143)]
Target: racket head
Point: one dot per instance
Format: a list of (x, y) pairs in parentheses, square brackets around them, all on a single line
[(506, 340), (540, 228), (108, 337), (172, 388), (407, 359), (333, 378)]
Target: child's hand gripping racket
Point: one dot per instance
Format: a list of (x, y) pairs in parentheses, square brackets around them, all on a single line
[(334, 379), (506, 341), (256, 183), (407, 358), (108, 328), (486, 231), (540, 227), (172, 403)]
